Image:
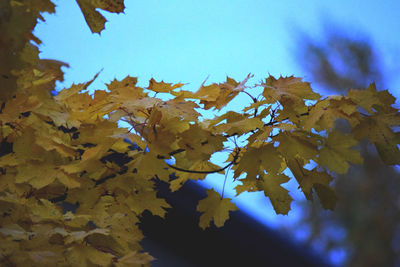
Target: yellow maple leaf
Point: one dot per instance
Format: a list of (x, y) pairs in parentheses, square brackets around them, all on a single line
[(241, 126), (148, 165), (162, 87), (227, 91), (199, 143), (179, 109), (147, 200), (290, 87), (255, 160), (214, 209), (93, 18), (314, 180), (249, 163), (297, 144), (378, 129), (370, 97), (336, 153), (326, 195), (248, 185), (279, 196), (65, 94), (323, 114)]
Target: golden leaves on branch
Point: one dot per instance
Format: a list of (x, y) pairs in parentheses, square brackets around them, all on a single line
[(69, 150), (17, 53)]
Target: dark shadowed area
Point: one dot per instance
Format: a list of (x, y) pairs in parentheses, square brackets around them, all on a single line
[(178, 241)]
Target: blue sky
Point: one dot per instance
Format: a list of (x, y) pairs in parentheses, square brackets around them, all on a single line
[(187, 41)]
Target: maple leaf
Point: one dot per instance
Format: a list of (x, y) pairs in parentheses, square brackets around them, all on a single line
[(147, 200), (179, 109), (278, 195), (369, 98), (148, 165), (336, 152), (290, 87), (327, 196), (200, 143), (256, 160), (314, 180), (162, 87), (297, 144), (378, 129), (323, 114), (249, 163), (227, 91), (248, 185), (93, 18), (214, 209)]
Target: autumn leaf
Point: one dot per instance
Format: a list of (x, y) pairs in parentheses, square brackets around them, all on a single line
[(249, 163), (249, 184), (327, 196), (336, 153), (370, 97), (93, 18), (314, 181), (255, 160), (162, 87), (200, 143), (278, 195), (323, 114), (214, 209), (227, 91), (291, 87), (297, 144), (147, 200), (378, 129)]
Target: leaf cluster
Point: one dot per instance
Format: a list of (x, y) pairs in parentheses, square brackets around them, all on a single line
[(67, 150)]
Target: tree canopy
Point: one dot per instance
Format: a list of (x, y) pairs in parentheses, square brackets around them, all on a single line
[(74, 184)]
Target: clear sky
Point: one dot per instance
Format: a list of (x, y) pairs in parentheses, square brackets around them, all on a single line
[(186, 41)]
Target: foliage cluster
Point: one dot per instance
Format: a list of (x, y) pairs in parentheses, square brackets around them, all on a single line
[(74, 184)]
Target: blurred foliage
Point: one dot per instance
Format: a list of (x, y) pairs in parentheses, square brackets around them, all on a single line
[(365, 223), (340, 60)]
